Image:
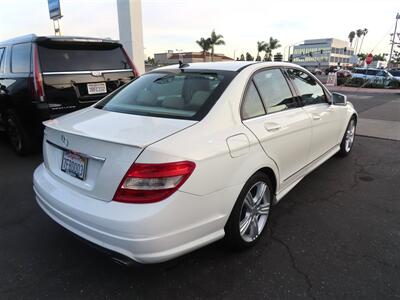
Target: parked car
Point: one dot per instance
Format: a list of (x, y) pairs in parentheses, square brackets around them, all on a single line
[(317, 71), (45, 77), (343, 73), (372, 74), (395, 73), (331, 69), (186, 155)]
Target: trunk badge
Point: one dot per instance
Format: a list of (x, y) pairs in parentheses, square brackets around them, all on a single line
[(64, 140), (97, 73)]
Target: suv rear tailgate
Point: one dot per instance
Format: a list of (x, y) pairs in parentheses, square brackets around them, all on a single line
[(68, 68)]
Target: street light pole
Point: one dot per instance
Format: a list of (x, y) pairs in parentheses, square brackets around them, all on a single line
[(393, 39)]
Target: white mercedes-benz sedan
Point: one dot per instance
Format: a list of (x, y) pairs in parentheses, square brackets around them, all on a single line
[(189, 154)]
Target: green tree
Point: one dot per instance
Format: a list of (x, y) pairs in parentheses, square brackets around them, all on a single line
[(380, 56), (361, 56), (261, 47), (351, 37), (359, 33), (364, 32), (215, 40), (205, 45), (258, 58), (241, 57), (249, 57), (272, 45)]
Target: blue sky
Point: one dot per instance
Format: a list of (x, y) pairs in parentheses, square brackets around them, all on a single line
[(176, 24)]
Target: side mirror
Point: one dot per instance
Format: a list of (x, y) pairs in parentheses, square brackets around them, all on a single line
[(339, 99)]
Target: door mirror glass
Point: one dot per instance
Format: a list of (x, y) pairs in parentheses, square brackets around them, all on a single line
[(339, 99)]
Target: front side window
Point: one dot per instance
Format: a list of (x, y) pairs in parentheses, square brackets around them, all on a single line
[(274, 90), (309, 89), (184, 95), (21, 58), (252, 104)]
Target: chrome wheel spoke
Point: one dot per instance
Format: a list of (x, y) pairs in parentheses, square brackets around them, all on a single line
[(248, 201), (244, 225), (253, 228), (261, 188), (263, 209)]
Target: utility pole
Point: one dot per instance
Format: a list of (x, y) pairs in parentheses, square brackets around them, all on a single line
[(393, 39)]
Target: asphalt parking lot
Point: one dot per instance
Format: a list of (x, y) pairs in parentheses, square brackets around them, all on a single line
[(335, 236)]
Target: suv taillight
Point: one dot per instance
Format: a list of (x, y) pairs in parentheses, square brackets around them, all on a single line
[(147, 183), (37, 75), (134, 70)]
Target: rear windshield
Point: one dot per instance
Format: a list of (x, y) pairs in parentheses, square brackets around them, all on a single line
[(81, 57), (183, 95)]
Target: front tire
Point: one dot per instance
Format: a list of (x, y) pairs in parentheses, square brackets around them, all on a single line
[(348, 139), (249, 216)]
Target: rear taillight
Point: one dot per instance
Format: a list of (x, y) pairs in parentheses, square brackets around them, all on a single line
[(134, 70), (146, 183), (37, 75)]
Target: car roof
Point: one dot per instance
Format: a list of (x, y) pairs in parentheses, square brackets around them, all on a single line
[(224, 66), (33, 37)]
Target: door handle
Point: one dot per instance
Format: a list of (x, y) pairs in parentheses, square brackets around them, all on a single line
[(271, 127), (316, 117)]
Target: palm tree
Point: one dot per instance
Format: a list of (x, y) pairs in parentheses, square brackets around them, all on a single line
[(261, 47), (364, 32), (271, 46), (351, 37), (215, 40), (359, 33), (205, 45)]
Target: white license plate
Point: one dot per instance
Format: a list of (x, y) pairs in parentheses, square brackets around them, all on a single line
[(96, 88), (74, 165)]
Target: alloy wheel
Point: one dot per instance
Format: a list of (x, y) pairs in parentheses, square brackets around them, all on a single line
[(350, 136), (255, 211)]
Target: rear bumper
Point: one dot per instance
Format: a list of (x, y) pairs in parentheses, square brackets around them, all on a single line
[(146, 233)]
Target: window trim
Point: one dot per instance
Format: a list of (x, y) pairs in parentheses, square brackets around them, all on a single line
[(11, 57), (327, 93), (251, 79)]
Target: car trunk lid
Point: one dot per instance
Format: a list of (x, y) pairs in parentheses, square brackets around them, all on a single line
[(109, 142)]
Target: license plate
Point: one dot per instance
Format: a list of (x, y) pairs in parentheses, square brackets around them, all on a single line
[(96, 88), (74, 165)]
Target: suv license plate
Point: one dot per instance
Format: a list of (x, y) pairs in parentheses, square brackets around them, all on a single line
[(97, 88), (74, 165)]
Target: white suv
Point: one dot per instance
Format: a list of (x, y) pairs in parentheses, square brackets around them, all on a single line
[(186, 155), (371, 74)]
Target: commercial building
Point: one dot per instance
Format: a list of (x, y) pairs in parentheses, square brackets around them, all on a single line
[(171, 57), (323, 53)]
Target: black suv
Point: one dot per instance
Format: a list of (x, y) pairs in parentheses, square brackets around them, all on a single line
[(44, 77)]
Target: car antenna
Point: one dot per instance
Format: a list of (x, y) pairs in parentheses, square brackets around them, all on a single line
[(182, 65)]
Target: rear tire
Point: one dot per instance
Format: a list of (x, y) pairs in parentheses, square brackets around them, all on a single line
[(348, 139), (249, 216), (21, 142)]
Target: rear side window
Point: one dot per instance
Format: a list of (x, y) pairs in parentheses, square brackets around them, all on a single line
[(184, 95), (21, 58), (2, 50), (372, 72), (274, 90), (252, 105), (309, 89), (64, 57)]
